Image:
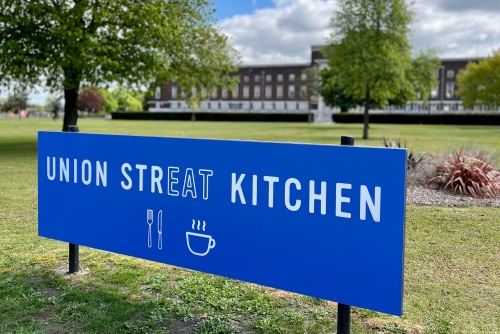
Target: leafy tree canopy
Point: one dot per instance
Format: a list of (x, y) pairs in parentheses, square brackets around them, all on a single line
[(421, 76), (90, 99), (17, 100), (53, 104), (66, 43), (111, 103), (369, 52), (479, 83), (128, 100)]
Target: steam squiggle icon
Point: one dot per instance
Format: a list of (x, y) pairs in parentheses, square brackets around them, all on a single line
[(195, 237), (204, 224)]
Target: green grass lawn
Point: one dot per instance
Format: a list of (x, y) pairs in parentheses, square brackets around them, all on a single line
[(452, 271)]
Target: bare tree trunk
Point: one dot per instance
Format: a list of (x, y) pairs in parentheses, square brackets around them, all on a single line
[(366, 119), (70, 108), (71, 84)]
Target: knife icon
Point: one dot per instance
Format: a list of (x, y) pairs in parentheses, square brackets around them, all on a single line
[(159, 230)]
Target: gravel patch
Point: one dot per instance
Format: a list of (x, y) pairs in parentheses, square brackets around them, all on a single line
[(419, 195)]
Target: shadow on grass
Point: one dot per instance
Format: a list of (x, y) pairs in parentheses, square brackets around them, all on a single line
[(43, 301)]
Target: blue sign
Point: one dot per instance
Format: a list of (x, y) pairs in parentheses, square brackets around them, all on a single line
[(324, 221)]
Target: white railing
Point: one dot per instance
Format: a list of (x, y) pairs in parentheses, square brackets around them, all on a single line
[(232, 106)]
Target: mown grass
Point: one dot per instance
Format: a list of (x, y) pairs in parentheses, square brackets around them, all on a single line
[(452, 273)]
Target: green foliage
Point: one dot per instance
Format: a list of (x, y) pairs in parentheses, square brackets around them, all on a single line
[(468, 175), (17, 100), (479, 83), (413, 160), (111, 103), (90, 99), (53, 104), (334, 95), (422, 74), (369, 50), (128, 100), (311, 83), (64, 43), (421, 77)]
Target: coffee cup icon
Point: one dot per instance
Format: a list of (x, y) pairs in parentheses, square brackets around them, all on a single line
[(200, 242)]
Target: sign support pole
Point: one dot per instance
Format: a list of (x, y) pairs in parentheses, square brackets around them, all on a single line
[(344, 311), (74, 250)]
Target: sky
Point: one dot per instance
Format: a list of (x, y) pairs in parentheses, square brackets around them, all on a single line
[(282, 31)]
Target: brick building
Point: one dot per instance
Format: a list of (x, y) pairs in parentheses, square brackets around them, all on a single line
[(283, 89)]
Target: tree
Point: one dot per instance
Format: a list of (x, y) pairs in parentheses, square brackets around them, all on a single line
[(334, 95), (369, 51), (127, 101), (66, 43), (90, 99), (17, 100), (479, 83), (53, 104), (312, 88), (311, 83), (421, 76), (111, 103)]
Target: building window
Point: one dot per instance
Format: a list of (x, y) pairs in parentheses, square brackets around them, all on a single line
[(291, 77), (280, 77), (450, 90), (450, 73), (434, 92), (246, 92), (194, 91), (214, 93), (257, 78), (269, 91), (224, 93), (246, 78), (203, 92), (269, 77), (174, 92), (234, 92), (256, 92), (158, 92), (279, 91), (183, 93), (303, 76), (303, 92), (291, 92)]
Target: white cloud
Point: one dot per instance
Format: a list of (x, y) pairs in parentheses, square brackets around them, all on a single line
[(457, 33), (284, 34)]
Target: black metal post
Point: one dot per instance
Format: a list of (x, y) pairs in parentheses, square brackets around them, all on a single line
[(74, 250), (347, 141), (74, 258), (343, 319), (344, 311)]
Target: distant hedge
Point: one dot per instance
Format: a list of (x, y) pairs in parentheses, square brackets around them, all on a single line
[(451, 119), (208, 116)]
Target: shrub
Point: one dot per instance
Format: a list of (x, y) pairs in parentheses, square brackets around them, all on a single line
[(413, 159), (468, 175)]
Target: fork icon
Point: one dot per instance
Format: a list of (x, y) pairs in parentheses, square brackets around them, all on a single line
[(150, 223)]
